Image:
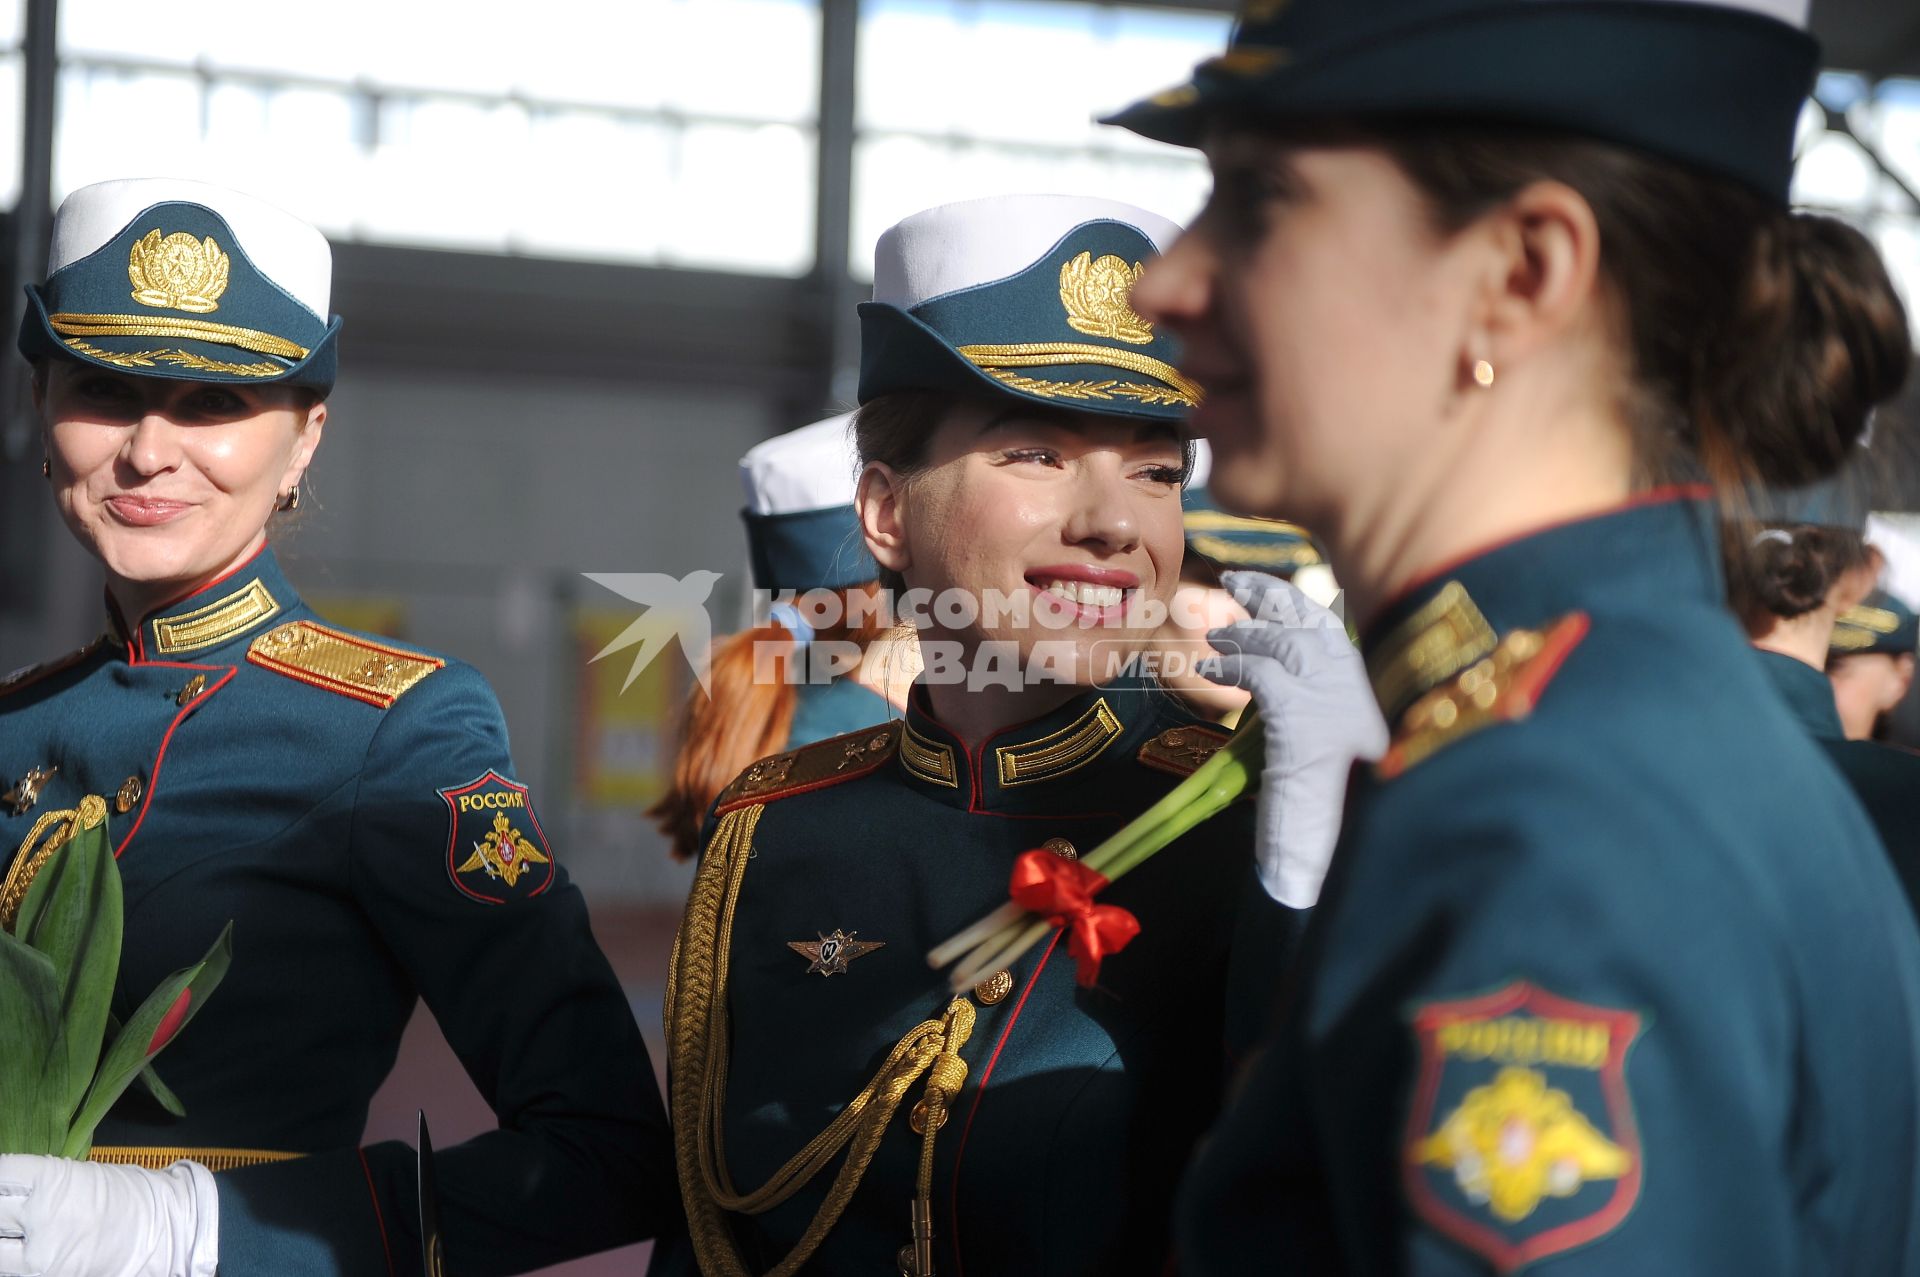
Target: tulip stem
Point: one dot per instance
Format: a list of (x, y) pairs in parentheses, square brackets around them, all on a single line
[(1003, 937)]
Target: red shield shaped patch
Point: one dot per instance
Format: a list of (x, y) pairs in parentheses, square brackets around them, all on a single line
[(496, 850), (1521, 1142)]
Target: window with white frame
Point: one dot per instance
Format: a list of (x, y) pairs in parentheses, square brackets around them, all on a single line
[(965, 98), (676, 132)]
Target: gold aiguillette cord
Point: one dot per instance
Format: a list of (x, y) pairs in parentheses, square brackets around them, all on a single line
[(697, 1032)]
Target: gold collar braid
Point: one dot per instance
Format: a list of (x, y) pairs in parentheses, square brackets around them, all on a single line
[(697, 1045)]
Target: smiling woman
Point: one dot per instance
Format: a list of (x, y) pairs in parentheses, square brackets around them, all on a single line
[(1023, 459), (171, 483), (329, 792)]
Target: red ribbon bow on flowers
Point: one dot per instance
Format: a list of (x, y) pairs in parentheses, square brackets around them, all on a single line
[(1063, 891)]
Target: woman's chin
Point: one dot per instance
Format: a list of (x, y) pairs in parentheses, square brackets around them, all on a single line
[(152, 565)]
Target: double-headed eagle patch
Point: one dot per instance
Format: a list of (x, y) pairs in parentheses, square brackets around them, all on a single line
[(496, 850), (1521, 1141)]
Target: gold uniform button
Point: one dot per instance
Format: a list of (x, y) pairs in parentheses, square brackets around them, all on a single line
[(919, 1119), (195, 685), (994, 989), (1061, 848), (129, 794)]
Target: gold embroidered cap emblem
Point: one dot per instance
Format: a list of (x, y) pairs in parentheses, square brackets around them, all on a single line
[(178, 272), (1098, 296), (830, 954)]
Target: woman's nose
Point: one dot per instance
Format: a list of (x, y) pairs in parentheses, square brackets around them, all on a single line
[(1174, 290), (154, 445), (1103, 516)]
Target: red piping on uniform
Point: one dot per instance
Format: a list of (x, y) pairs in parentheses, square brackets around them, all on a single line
[(1652, 496), (977, 758), (230, 573), (980, 1092), (377, 1218), (153, 777), (138, 633)]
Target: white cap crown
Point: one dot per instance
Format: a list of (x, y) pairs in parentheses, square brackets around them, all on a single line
[(813, 468), (281, 247), (955, 246)]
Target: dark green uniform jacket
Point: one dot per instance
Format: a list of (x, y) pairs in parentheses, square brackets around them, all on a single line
[(1610, 974), (1885, 778), (1079, 1105), (351, 806)]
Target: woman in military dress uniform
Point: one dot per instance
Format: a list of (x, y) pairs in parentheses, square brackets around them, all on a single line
[(835, 1108), (349, 803), (1610, 973), (822, 664), (1791, 588), (1870, 663)]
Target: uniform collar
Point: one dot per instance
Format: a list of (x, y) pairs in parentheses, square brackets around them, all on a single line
[(1061, 762), (1659, 549), (1807, 692), (234, 606)]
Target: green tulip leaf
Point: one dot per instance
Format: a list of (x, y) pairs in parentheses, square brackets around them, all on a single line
[(149, 1079), (29, 989), (159, 1020), (72, 914)]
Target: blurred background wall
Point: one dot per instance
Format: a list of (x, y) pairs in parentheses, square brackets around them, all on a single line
[(590, 252)]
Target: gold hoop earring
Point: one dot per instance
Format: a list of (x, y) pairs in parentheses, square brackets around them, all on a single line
[(1482, 373), (46, 467), (291, 501)]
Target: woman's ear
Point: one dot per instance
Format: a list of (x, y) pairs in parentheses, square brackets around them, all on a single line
[(879, 500), (1544, 270), (304, 445)]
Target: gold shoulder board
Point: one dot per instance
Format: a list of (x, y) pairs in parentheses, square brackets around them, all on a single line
[(1182, 749), (1500, 688), (349, 664), (815, 766), (34, 673)]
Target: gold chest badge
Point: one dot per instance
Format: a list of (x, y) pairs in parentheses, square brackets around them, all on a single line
[(178, 272), (830, 954)]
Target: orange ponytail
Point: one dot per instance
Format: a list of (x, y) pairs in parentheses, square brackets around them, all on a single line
[(745, 717)]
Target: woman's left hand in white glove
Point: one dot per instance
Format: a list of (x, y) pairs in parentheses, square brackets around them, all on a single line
[(62, 1218)]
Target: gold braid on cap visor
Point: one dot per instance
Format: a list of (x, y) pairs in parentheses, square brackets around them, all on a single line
[(1049, 354), (71, 325)]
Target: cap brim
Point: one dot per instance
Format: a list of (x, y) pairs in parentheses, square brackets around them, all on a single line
[(901, 353), (177, 358), (1717, 89)]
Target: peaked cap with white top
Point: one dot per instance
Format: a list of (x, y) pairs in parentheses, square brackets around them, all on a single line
[(158, 277), (802, 532), (1027, 296)]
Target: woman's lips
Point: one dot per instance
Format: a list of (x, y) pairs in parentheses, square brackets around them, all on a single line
[(145, 512)]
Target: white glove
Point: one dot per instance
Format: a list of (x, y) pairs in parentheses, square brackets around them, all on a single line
[(1310, 685), (85, 1219)]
